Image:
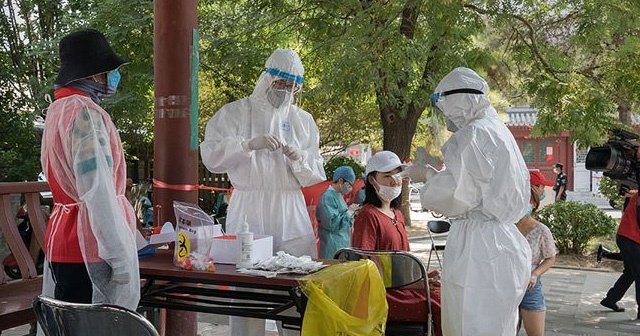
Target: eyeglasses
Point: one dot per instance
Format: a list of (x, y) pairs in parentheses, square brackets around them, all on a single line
[(283, 84), (438, 95), (293, 82)]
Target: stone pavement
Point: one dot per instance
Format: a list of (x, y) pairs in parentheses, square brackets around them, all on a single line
[(572, 297), (573, 304)]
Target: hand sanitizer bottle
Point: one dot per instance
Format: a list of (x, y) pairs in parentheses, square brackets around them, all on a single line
[(245, 245)]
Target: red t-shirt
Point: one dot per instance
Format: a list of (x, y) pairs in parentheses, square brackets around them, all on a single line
[(373, 230), (629, 224)]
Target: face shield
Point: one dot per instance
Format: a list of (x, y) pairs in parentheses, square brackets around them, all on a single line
[(284, 75), (282, 88)]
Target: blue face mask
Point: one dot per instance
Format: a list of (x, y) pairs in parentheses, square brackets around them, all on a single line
[(542, 196), (113, 79)]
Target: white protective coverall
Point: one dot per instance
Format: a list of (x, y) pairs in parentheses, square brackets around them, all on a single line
[(267, 184), (484, 191), (81, 150)]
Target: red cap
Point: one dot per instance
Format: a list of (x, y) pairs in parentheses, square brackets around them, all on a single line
[(536, 178)]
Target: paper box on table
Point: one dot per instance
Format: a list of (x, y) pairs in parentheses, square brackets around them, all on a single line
[(225, 251), (167, 235)]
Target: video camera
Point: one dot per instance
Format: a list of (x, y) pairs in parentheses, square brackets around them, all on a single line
[(617, 159)]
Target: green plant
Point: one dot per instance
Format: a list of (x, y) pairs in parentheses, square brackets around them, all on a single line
[(338, 161), (573, 224), (611, 188)]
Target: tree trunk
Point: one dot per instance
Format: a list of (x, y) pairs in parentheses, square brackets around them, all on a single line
[(398, 133), (624, 112)]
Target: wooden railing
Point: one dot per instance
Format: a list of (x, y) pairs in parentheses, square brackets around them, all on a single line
[(17, 295)]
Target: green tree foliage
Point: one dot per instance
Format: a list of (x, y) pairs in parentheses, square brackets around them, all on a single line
[(611, 189), (128, 26), (574, 224), (577, 61), (25, 66)]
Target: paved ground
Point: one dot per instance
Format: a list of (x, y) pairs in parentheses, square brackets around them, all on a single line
[(572, 296)]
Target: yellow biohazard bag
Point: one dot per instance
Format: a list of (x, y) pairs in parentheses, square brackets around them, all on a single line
[(345, 299)]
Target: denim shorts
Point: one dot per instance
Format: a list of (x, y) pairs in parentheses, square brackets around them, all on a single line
[(534, 298)]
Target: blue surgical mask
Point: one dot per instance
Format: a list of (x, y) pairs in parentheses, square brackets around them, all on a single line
[(109, 88), (113, 79), (542, 196)]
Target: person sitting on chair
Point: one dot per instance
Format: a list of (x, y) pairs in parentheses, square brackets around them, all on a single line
[(380, 226)]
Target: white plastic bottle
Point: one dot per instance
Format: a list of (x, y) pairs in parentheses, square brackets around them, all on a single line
[(245, 246)]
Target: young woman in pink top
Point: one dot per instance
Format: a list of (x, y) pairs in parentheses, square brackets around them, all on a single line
[(543, 252)]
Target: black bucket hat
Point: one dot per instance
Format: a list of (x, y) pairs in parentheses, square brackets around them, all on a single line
[(85, 53)]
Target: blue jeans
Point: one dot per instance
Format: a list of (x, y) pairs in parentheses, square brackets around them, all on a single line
[(533, 299)]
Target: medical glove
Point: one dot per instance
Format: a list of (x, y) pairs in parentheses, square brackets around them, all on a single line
[(291, 152), (265, 141), (420, 173)]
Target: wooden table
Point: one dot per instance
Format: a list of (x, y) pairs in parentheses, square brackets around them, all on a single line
[(168, 286)]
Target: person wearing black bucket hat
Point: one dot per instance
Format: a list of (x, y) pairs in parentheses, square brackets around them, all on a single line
[(90, 245)]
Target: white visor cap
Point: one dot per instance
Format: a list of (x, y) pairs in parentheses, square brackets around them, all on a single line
[(384, 161)]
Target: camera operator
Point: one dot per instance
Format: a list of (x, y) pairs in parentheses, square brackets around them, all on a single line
[(628, 241)]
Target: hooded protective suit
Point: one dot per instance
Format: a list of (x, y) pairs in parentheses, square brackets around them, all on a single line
[(84, 163), (484, 191), (267, 183)]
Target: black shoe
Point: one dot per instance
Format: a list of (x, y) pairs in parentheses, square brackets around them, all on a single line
[(599, 254), (612, 305)]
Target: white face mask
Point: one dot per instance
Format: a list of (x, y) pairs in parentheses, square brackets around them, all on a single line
[(388, 194), (278, 96)]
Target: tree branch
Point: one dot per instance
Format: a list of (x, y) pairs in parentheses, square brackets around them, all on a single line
[(531, 35)]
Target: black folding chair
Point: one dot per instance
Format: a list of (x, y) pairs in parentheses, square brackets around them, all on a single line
[(398, 269), (437, 226), (59, 318)]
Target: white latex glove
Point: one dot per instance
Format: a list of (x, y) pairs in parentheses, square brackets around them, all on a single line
[(352, 209), (420, 173), (291, 152), (265, 141)]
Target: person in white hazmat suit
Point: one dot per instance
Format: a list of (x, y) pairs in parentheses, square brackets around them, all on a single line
[(484, 190), (269, 147)]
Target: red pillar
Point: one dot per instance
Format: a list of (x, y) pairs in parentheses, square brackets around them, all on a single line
[(175, 164)]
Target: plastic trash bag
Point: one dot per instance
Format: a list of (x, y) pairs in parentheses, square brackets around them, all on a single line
[(345, 299)]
